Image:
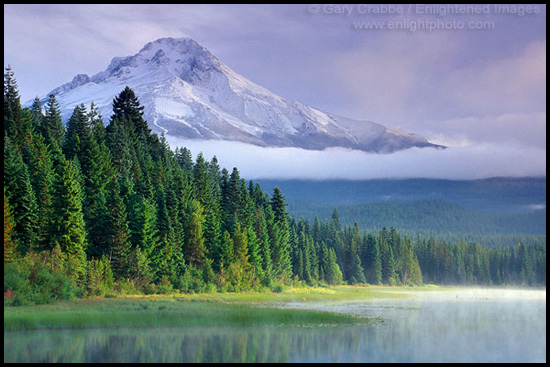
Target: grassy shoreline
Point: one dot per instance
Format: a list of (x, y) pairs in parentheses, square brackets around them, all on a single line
[(217, 309), (208, 309)]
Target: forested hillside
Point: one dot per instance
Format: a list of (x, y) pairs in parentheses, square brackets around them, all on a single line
[(98, 209), (493, 212)]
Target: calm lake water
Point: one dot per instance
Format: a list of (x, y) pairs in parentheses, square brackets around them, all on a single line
[(434, 326)]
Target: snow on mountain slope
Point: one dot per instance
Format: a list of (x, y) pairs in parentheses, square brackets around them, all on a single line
[(188, 93)]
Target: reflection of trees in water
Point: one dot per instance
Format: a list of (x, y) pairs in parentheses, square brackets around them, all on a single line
[(208, 345)]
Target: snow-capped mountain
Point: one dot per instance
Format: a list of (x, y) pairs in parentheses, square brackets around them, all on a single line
[(188, 93)]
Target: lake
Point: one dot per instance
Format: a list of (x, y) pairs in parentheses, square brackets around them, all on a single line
[(449, 325)]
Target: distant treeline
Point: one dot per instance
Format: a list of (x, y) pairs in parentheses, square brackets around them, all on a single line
[(91, 210), (387, 257)]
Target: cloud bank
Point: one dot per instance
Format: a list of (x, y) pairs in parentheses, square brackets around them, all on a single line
[(466, 162)]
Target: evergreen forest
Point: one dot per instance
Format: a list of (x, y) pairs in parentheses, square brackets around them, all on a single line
[(103, 207)]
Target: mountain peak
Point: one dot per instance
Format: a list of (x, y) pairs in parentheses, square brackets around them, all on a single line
[(177, 57), (183, 43), (177, 50), (188, 93)]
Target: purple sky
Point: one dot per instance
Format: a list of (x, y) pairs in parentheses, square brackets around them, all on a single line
[(476, 79)]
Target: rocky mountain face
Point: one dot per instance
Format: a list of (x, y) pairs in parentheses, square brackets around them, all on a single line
[(188, 93)]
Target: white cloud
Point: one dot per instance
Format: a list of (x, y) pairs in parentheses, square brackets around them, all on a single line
[(470, 162)]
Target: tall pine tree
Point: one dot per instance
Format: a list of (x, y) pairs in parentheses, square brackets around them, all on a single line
[(67, 226), (280, 236)]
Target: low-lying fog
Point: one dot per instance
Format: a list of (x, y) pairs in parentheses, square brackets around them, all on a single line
[(452, 325)]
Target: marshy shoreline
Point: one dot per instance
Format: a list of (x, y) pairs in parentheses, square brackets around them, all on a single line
[(294, 306)]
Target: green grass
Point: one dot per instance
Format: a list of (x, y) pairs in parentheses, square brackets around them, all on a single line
[(211, 309), (307, 294), (143, 313)]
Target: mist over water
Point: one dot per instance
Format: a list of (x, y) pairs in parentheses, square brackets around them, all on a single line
[(456, 325), (474, 325)]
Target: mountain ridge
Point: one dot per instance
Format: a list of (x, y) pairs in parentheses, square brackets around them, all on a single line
[(188, 93)]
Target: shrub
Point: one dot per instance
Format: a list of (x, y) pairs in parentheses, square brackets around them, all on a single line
[(31, 281), (99, 277), (164, 287), (278, 288)]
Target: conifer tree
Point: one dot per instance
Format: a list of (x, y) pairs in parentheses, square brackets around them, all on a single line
[(278, 205), (313, 258), (184, 157), (230, 199), (20, 192), (240, 245), (262, 237), (18, 123), (356, 272), (97, 216), (116, 231), (77, 137), (68, 229), (279, 236), (23, 135), (254, 255), (142, 221), (408, 264), (207, 183), (246, 206), (166, 250), (194, 250), (119, 142), (10, 244), (387, 257), (173, 210), (128, 110), (53, 129), (96, 124), (302, 264), (12, 103), (388, 266), (200, 173), (37, 115), (227, 254), (372, 260), (127, 105), (42, 176)]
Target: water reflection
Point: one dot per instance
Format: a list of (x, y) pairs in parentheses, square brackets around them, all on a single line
[(420, 330), (197, 344)]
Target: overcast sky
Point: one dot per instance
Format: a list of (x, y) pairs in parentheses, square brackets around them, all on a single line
[(472, 78)]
